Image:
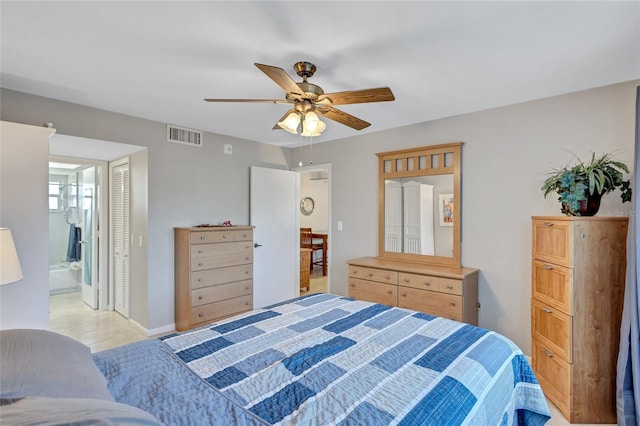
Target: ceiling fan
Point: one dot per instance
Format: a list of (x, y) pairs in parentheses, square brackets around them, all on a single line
[(308, 100)]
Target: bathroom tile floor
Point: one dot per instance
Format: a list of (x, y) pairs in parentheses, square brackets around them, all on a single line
[(99, 330)]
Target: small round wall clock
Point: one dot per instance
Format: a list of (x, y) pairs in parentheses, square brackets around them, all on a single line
[(307, 205)]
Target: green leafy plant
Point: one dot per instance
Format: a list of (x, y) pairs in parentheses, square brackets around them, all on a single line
[(575, 183)]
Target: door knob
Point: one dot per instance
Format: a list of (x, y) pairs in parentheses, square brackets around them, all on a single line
[(256, 245)]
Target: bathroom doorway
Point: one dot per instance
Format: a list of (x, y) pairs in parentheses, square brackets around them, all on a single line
[(103, 327), (76, 216)]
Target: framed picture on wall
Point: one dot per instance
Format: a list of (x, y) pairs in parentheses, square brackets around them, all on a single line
[(445, 207)]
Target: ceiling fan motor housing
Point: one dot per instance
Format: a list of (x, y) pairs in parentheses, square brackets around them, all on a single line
[(304, 69)]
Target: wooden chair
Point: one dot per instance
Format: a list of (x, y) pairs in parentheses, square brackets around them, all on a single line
[(306, 241)]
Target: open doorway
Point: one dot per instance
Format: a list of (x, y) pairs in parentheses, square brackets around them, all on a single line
[(77, 213), (81, 303), (315, 212)]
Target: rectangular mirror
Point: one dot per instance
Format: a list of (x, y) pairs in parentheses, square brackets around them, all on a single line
[(419, 214)]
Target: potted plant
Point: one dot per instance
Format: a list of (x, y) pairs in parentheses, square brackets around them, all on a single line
[(580, 186)]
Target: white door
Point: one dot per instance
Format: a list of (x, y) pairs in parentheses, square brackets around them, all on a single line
[(276, 257), (88, 207), (120, 237)]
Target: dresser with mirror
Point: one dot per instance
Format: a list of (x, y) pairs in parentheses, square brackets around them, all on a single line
[(418, 263)]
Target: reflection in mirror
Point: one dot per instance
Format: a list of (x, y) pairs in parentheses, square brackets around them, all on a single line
[(419, 215)]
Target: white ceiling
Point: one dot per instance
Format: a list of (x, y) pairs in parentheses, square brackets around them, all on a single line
[(158, 60)]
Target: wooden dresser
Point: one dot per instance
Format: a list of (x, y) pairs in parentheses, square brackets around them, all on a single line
[(213, 274), (578, 278), (448, 292)]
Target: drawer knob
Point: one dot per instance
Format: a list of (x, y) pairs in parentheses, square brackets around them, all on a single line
[(199, 297), (244, 235), (548, 224), (199, 315), (548, 267), (370, 274), (246, 287), (406, 280), (199, 263), (200, 279), (200, 250), (353, 285), (427, 283), (246, 272), (450, 287), (548, 353), (404, 294), (246, 258), (355, 272), (202, 237), (388, 277), (224, 236), (246, 303), (390, 292), (547, 310), (453, 303)]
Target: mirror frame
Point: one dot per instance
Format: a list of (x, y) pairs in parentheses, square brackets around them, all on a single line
[(406, 163)]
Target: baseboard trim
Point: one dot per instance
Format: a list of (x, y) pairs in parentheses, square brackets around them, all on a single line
[(154, 331)]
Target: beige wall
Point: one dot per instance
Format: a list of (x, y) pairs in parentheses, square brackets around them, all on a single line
[(506, 153)]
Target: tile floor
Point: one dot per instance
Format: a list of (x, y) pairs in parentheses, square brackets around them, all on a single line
[(318, 283), (99, 330)]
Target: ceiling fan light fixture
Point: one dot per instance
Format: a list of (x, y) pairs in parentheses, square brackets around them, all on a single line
[(313, 127), (311, 121), (290, 123)]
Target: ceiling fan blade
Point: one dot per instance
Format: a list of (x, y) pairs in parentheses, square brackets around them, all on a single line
[(378, 94), (270, 101), (343, 118), (281, 78)]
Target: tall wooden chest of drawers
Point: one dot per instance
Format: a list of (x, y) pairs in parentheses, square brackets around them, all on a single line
[(437, 290), (578, 278), (213, 274)]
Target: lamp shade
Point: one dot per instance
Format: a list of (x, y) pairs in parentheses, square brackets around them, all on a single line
[(290, 123), (10, 270), (312, 125)]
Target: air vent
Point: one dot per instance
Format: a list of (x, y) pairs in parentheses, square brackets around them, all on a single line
[(184, 136)]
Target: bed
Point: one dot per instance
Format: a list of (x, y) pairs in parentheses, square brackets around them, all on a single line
[(320, 359)]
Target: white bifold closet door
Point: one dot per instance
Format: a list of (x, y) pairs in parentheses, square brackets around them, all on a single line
[(120, 235)]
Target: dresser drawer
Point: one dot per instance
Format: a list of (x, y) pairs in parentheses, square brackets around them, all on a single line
[(372, 274), (553, 328), (207, 250), (206, 237), (553, 373), (231, 259), (225, 308), (430, 282), (220, 292), (551, 241), (431, 302), (551, 284), (385, 294), (211, 277)]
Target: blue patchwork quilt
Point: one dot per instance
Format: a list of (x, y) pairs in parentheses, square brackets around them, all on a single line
[(329, 360)]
